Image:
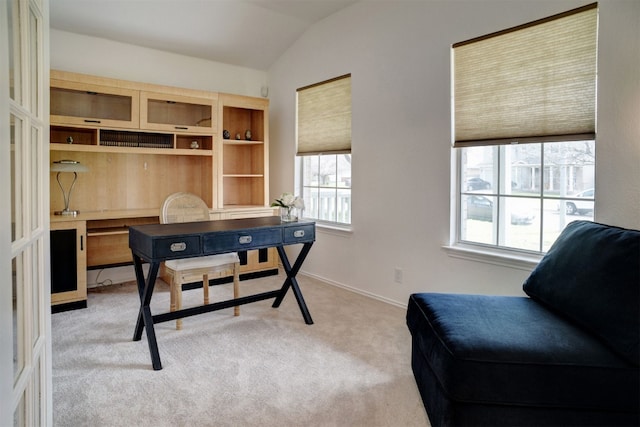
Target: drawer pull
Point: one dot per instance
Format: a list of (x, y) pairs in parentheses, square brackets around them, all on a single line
[(243, 240), (298, 233), (178, 247)]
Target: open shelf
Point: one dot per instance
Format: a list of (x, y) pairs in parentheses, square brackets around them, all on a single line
[(243, 159), (240, 120), (245, 190), (73, 136)]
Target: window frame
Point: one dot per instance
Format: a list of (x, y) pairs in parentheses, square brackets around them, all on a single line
[(542, 196), (300, 189)]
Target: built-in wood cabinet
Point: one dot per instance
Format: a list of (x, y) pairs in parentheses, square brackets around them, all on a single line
[(68, 264), (244, 151), (177, 113), (142, 142), (81, 103)]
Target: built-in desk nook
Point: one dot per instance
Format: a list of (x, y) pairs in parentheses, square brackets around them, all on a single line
[(137, 143)]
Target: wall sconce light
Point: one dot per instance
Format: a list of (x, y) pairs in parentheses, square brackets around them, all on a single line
[(67, 166)]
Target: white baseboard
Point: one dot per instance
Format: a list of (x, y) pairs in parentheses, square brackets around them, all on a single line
[(352, 289), (116, 275)]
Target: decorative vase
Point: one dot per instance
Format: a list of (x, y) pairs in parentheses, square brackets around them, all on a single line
[(288, 214)]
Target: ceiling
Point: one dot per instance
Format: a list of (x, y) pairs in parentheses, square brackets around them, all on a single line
[(248, 33)]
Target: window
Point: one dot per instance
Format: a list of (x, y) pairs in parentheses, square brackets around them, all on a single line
[(522, 196), (323, 161), (326, 187), (524, 131)]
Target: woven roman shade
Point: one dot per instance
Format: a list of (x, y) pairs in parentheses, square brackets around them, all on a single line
[(324, 117), (532, 83)]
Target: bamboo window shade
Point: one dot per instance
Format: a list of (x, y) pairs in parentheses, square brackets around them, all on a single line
[(531, 83), (324, 117)]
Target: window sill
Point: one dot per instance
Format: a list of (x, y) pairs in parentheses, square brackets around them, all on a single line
[(520, 261), (338, 230)]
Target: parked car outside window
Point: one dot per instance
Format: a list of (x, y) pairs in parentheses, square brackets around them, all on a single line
[(579, 207), (476, 183), (481, 208)]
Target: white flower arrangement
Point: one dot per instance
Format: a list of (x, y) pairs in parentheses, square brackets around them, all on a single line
[(288, 200)]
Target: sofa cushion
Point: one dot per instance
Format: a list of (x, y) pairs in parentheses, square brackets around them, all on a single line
[(591, 275), (512, 351)]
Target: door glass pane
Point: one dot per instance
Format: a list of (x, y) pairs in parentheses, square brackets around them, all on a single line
[(19, 416), (36, 388), (36, 293), (36, 178), (34, 65), (13, 12), (16, 141), (18, 315)]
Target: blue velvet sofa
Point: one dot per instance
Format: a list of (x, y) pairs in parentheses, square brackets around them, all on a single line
[(565, 354)]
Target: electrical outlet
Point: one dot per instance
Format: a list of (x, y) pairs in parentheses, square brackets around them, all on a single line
[(397, 275)]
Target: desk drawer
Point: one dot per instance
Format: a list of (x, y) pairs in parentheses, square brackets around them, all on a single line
[(300, 234), (242, 240), (177, 247)]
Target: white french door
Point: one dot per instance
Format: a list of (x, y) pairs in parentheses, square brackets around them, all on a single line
[(25, 320)]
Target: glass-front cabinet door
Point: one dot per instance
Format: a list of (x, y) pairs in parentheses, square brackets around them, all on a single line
[(77, 103), (177, 113)]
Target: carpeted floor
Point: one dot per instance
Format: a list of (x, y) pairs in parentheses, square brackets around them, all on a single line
[(263, 368)]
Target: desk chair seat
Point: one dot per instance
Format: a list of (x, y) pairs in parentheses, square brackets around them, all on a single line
[(186, 207)]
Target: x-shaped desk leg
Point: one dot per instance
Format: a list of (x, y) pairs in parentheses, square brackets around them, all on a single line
[(145, 291), (291, 281), (145, 320)]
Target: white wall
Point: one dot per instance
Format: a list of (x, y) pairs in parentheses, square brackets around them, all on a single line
[(101, 57), (399, 56)]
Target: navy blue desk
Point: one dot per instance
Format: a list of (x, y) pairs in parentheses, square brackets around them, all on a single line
[(155, 243)]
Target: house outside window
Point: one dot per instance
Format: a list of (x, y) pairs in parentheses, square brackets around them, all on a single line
[(323, 159), (524, 132)]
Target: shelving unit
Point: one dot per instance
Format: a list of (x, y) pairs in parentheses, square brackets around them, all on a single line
[(243, 162), (142, 142)]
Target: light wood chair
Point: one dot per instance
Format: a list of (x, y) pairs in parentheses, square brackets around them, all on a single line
[(187, 207)]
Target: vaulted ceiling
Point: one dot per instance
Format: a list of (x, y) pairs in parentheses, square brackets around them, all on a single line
[(248, 33)]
